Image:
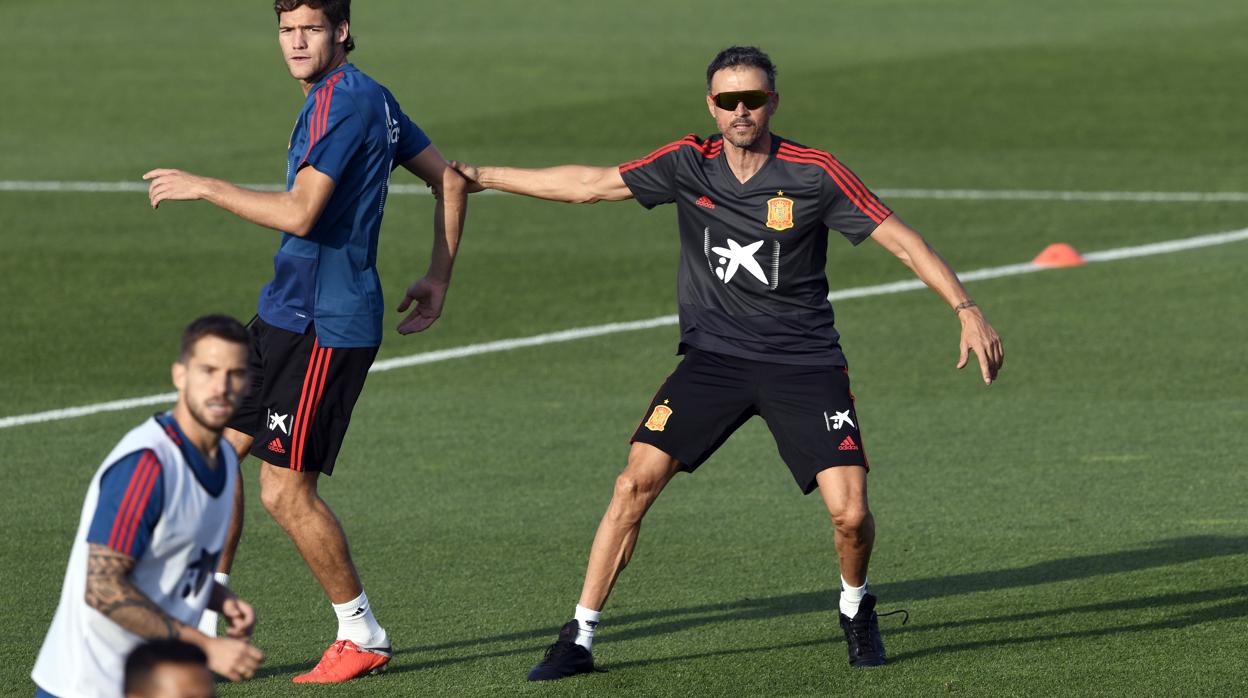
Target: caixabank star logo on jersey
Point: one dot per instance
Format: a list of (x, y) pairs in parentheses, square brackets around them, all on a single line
[(730, 258)]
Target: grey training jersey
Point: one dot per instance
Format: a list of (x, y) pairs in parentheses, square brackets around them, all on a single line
[(752, 256)]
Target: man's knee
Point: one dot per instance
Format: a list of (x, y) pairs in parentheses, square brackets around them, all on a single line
[(629, 487), (639, 484), (851, 518), (283, 491)]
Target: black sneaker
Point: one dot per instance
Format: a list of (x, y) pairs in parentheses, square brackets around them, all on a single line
[(564, 658), (862, 632)]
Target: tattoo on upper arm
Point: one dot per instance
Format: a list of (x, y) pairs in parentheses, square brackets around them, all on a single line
[(110, 591)]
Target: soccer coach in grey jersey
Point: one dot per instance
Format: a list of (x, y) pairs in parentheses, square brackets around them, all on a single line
[(757, 329)]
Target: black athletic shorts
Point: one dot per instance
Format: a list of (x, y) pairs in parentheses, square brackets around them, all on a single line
[(809, 410), (301, 397)]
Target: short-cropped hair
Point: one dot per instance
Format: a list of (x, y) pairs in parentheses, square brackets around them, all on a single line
[(734, 56), (144, 659), (220, 326)]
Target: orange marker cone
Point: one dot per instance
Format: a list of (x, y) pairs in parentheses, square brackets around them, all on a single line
[(1059, 254)]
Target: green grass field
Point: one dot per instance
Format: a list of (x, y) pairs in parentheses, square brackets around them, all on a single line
[(1076, 529)]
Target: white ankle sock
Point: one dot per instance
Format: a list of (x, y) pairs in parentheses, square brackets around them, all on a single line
[(208, 621), (587, 623), (851, 597), (357, 624)]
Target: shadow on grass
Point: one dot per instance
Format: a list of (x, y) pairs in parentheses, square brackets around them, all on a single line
[(630, 626)]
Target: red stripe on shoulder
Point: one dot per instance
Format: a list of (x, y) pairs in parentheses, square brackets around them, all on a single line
[(690, 140), (329, 98), (311, 122), (127, 511), (836, 177), (864, 200), (844, 178), (126, 502), (145, 493)]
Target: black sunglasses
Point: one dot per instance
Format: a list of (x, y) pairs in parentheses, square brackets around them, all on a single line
[(753, 99)]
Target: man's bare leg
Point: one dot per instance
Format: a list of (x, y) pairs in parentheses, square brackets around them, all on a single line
[(844, 491), (648, 472), (291, 498)]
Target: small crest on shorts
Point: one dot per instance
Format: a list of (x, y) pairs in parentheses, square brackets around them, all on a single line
[(658, 418), (780, 212)]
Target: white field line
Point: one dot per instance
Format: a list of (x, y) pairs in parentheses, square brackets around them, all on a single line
[(1167, 247), (132, 187)]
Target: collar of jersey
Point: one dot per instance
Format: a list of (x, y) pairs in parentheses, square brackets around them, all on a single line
[(211, 479), (725, 170), (344, 68)]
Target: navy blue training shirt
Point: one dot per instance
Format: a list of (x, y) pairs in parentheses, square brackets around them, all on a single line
[(352, 130)]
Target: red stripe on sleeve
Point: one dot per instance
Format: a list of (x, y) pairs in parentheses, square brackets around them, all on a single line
[(848, 181), (849, 177), (145, 493), (875, 211), (329, 97), (690, 140), (126, 511), (311, 125), (114, 535)]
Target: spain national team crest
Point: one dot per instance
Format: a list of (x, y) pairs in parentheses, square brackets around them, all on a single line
[(780, 213), (658, 418)]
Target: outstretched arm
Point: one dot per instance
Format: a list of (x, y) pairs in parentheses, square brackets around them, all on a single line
[(573, 184), (977, 335), (110, 591), (294, 211), (429, 293)]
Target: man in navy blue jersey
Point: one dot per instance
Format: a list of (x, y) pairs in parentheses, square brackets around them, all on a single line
[(756, 327), (318, 324)]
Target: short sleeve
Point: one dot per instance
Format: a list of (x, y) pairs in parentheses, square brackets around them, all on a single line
[(652, 179), (132, 498), (412, 140), (848, 206), (335, 132)]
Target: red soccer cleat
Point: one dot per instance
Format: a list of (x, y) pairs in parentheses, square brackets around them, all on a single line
[(345, 660)]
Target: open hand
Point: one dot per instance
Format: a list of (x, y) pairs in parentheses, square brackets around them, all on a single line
[(174, 185), (429, 295), (979, 337)]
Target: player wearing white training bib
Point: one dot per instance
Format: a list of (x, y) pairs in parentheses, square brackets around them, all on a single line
[(162, 506), (153, 525)]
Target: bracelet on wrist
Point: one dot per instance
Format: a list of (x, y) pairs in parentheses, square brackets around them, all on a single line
[(964, 305)]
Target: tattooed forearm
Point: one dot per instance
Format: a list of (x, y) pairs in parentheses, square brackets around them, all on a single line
[(110, 592)]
